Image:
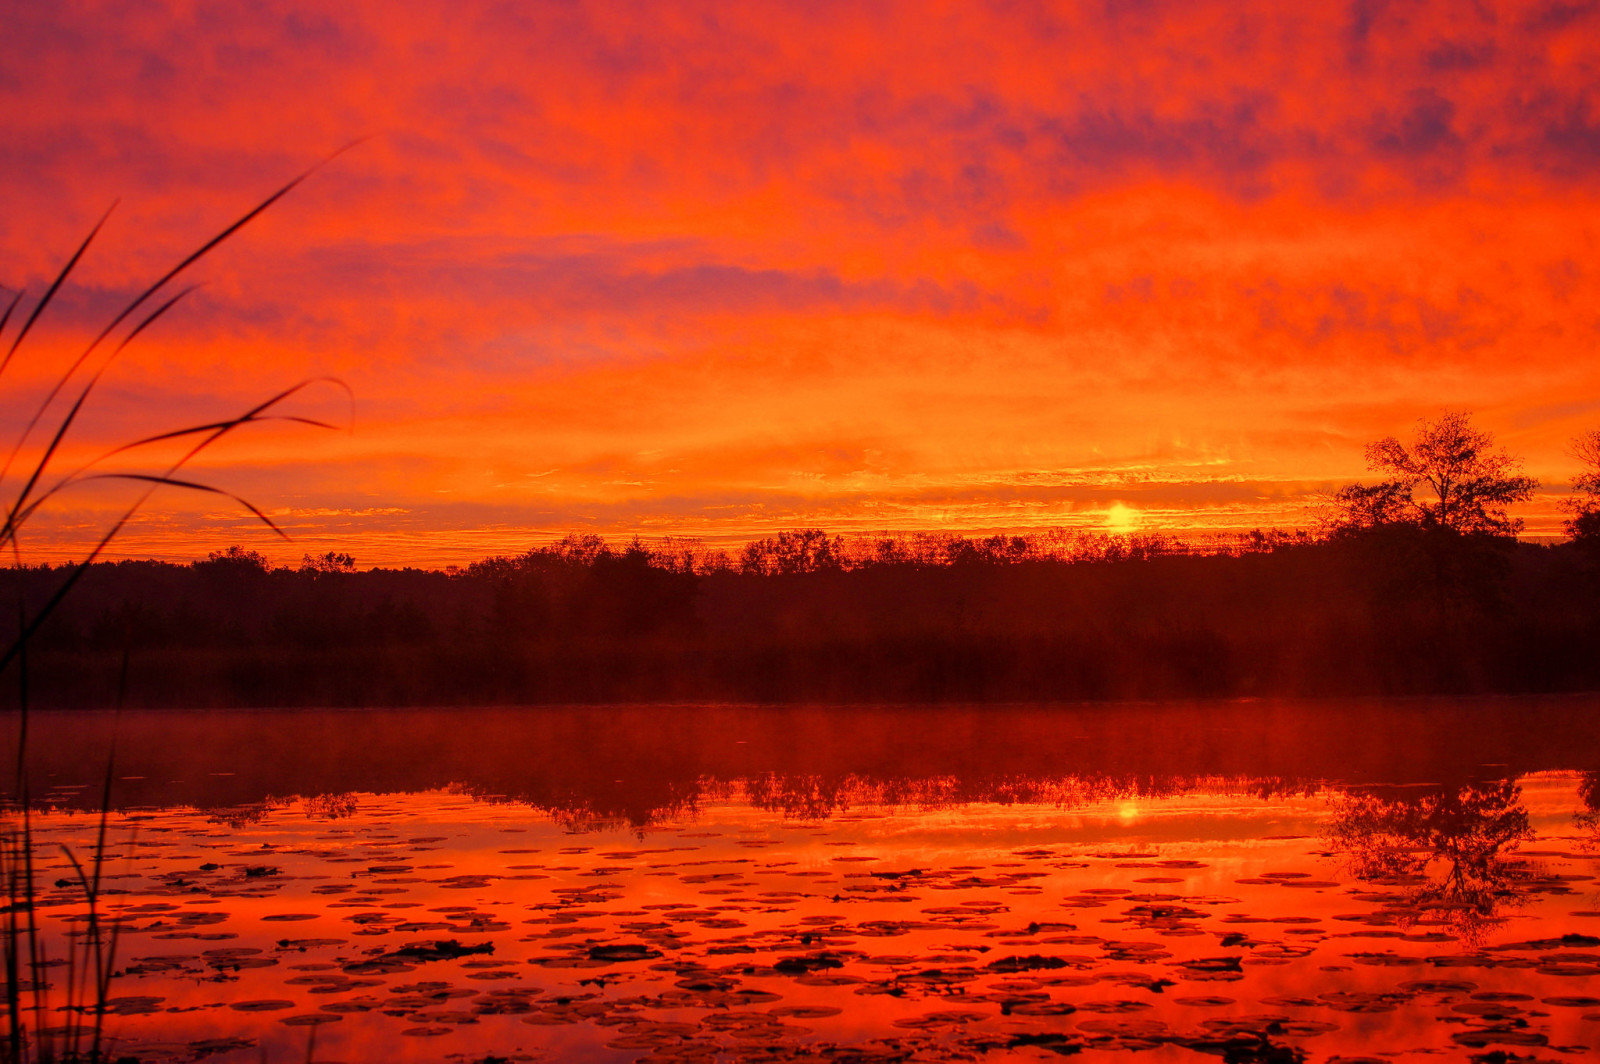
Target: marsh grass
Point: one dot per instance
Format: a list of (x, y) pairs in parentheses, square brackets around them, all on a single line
[(65, 1024)]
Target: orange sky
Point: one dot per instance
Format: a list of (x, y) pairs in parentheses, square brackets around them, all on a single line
[(721, 268)]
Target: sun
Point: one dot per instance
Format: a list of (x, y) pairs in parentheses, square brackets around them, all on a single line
[(1121, 518)]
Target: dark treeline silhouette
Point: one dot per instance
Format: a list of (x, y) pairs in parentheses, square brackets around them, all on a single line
[(1416, 584), (1390, 609)]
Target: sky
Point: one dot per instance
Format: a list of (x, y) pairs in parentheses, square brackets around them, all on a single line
[(718, 269)]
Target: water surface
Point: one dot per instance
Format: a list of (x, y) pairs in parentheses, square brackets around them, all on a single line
[(1252, 881)]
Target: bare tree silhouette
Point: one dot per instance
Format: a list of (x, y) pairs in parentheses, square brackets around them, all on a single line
[(1584, 524), (1465, 481)]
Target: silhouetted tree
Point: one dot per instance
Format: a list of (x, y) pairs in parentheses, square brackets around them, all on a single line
[(578, 550), (1584, 524), (805, 550), (234, 560), (1466, 483), (1435, 534), (331, 562)]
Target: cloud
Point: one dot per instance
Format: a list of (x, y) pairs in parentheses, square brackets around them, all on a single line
[(948, 243)]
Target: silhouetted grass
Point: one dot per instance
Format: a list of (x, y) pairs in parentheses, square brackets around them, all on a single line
[(91, 955)]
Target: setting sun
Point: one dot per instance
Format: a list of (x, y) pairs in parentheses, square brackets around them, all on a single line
[(1121, 518)]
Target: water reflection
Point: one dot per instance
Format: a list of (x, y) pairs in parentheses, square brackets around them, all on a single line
[(1451, 851), (1588, 818), (1254, 882), (640, 764), (1208, 921)]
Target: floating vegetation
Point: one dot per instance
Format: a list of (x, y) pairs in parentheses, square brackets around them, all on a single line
[(960, 933)]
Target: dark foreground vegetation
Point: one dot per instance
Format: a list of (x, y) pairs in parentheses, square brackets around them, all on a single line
[(1390, 610)]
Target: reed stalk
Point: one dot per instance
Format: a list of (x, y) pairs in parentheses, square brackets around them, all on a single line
[(89, 963)]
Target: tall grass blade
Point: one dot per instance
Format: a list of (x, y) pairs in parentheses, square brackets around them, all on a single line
[(146, 295), (89, 963), (50, 293), (105, 960), (192, 485), (72, 415), (82, 472), (30, 929), (5, 317), (12, 946), (222, 429), (205, 248)]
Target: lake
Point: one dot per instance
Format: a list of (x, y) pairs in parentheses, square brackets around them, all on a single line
[(1255, 881)]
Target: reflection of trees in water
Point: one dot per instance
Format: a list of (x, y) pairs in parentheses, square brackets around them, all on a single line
[(638, 805), (632, 805), (243, 816), (817, 797), (1588, 818), (331, 806), (327, 806), (1450, 849)]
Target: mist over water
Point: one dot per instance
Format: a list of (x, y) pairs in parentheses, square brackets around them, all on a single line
[(1255, 881)]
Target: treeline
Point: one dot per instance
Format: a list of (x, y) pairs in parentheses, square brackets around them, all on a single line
[(1396, 608)]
